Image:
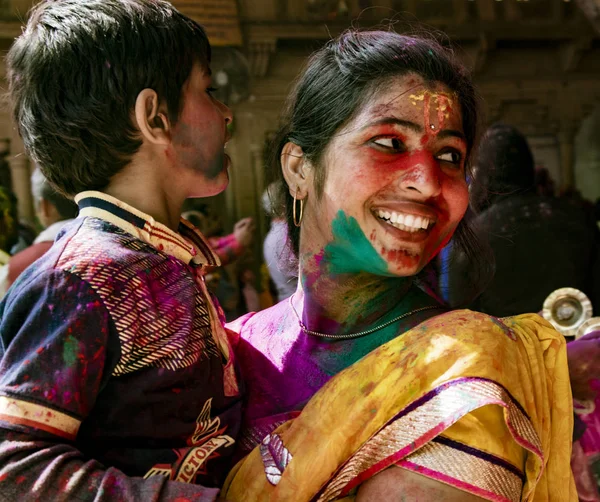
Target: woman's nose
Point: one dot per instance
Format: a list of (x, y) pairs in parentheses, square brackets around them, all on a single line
[(423, 176)]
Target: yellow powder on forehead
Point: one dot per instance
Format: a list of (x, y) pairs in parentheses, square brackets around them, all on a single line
[(443, 100)]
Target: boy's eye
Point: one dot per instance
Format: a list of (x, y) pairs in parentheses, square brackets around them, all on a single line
[(451, 157), (391, 143)]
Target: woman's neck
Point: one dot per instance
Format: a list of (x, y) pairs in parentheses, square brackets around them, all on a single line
[(335, 303)]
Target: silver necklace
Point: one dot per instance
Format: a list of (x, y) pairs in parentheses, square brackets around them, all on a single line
[(360, 333)]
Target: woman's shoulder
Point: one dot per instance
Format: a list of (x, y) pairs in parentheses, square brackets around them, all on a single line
[(470, 323), (485, 345), (265, 323)]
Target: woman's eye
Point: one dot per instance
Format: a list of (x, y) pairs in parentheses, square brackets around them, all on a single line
[(451, 157), (391, 143)]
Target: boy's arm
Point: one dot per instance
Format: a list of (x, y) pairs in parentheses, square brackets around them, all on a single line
[(58, 349), (33, 468)]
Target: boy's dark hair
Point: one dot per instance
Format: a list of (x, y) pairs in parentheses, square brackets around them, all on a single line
[(76, 71)]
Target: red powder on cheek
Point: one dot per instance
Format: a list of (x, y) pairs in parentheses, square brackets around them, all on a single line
[(399, 257), (442, 244), (373, 235)]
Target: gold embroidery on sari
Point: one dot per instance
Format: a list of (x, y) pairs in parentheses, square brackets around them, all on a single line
[(420, 425), (466, 468)]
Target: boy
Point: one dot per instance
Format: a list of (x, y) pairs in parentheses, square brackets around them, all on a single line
[(116, 379)]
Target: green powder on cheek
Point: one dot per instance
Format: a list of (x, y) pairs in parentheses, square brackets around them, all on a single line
[(351, 252)]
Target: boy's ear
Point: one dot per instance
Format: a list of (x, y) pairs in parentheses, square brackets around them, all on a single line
[(296, 169), (153, 124)]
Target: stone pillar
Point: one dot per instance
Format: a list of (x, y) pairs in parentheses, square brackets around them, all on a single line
[(21, 177), (566, 141)]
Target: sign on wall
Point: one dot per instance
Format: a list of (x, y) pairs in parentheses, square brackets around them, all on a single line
[(220, 18)]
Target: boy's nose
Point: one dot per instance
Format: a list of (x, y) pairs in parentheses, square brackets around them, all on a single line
[(227, 113)]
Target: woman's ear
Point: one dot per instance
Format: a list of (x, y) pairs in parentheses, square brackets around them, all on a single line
[(297, 171), (153, 124)]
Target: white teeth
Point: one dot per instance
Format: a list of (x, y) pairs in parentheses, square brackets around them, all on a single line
[(406, 222)]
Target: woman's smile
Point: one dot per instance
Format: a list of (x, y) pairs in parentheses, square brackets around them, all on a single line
[(401, 180)]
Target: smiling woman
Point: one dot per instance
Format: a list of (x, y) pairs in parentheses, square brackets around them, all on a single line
[(361, 385)]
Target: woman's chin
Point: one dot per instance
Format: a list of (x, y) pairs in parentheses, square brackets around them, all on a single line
[(402, 262)]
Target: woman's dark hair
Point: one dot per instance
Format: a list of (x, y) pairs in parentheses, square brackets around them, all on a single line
[(338, 80), (76, 71)]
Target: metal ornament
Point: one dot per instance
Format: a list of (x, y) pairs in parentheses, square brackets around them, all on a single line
[(592, 324), (567, 309), (347, 336), (297, 220)]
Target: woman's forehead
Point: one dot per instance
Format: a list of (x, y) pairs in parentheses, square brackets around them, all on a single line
[(408, 98), (408, 91)]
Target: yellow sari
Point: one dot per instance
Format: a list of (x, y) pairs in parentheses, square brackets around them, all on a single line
[(464, 398)]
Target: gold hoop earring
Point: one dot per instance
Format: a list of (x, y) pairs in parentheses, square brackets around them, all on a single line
[(297, 221)]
